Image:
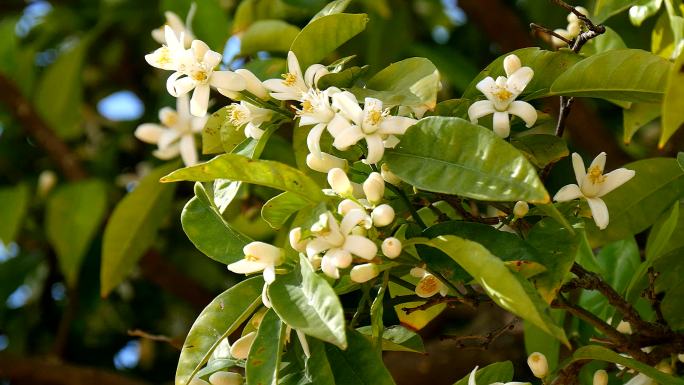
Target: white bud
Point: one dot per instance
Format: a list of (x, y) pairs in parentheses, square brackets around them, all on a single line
[(324, 162), (339, 182), (346, 205), (600, 377), (197, 381), (296, 241), (388, 175), (511, 64), (46, 181), (374, 188), (382, 215), (538, 364), (364, 272), (240, 349), (225, 378), (520, 209), (680, 357), (624, 327), (254, 85), (391, 247)]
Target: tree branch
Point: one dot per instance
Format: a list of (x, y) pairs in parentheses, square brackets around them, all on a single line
[(482, 341)]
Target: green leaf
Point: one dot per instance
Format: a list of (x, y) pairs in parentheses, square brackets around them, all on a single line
[(661, 233), (625, 74), (260, 172), (662, 37), (333, 7), (397, 338), (593, 352), (268, 35), (496, 372), (209, 232), (607, 41), (305, 301), (211, 133), (454, 156), (317, 366), (541, 149), (343, 79), (557, 248), (453, 107), (217, 321), (59, 92), (547, 66), (281, 207), (74, 214), (538, 341), (359, 363), (670, 268), (409, 82), (637, 116), (13, 205), (673, 101), (506, 289), (325, 34), (210, 23), (607, 8), (264, 355), (637, 204), (132, 227)]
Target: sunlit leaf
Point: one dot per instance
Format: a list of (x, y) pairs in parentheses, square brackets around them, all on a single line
[(496, 372), (268, 35), (359, 363), (281, 207), (264, 356), (673, 102)]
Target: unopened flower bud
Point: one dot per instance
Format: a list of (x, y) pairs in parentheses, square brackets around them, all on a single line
[(600, 377), (382, 215), (46, 181), (254, 85), (538, 364), (339, 182), (364, 272), (225, 378), (374, 188), (198, 381), (296, 241), (511, 64), (324, 162), (520, 209), (388, 175), (240, 349), (346, 205), (624, 327), (391, 247)]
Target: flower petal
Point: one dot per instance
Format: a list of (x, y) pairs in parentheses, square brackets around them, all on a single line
[(511, 64), (313, 139), (313, 73), (341, 258), (166, 153), (517, 82), (578, 166), (348, 137), (524, 111), (187, 150), (149, 132), (211, 59), (253, 84), (347, 104), (501, 124), (376, 149), (328, 267), (183, 106), (615, 179), (351, 219), (263, 252), (324, 162), (293, 65), (599, 211), (171, 83), (269, 274), (200, 100), (568, 193), (487, 86), (316, 246), (479, 109), (244, 266), (395, 125), (227, 80), (599, 161), (199, 48), (360, 246), (471, 378)]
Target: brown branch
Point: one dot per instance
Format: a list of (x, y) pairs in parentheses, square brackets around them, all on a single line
[(457, 204), (174, 342), (481, 341), (32, 371), (653, 297), (35, 126), (569, 374), (551, 32)]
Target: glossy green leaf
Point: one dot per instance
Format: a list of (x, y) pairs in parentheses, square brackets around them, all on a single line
[(670, 269), (14, 272), (210, 23), (662, 232), (74, 214), (264, 355), (453, 107), (637, 204), (211, 133), (541, 149), (625, 74), (397, 338), (504, 287), (637, 116), (547, 66), (281, 207), (496, 372), (260, 172), (673, 102), (343, 79), (13, 205), (603, 9), (268, 35), (217, 321), (359, 363), (594, 352), (333, 7), (538, 341), (454, 156), (607, 41), (132, 227), (305, 301), (209, 232), (325, 34), (662, 37), (317, 366)]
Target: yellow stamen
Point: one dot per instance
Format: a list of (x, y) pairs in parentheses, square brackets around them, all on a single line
[(503, 94), (251, 258), (374, 117), (199, 76), (289, 79), (595, 175), (429, 283), (236, 116)]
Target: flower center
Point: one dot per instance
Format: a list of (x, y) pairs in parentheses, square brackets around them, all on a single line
[(429, 283), (199, 76), (164, 56), (307, 106), (289, 79), (595, 175), (237, 116), (170, 119), (503, 94), (251, 258)]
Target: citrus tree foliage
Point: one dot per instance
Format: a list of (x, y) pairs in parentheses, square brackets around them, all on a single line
[(386, 197)]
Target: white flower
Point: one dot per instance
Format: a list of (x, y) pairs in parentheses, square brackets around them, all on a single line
[(374, 188), (339, 182), (471, 380), (428, 285), (176, 134), (167, 57), (195, 71), (250, 116), (240, 348), (371, 123), (339, 243), (316, 110), (538, 364), (346, 205), (382, 215), (252, 84), (177, 26), (225, 378), (364, 272), (293, 85), (592, 185), (501, 94), (600, 377), (391, 247), (574, 28), (520, 209), (323, 162), (259, 256)]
